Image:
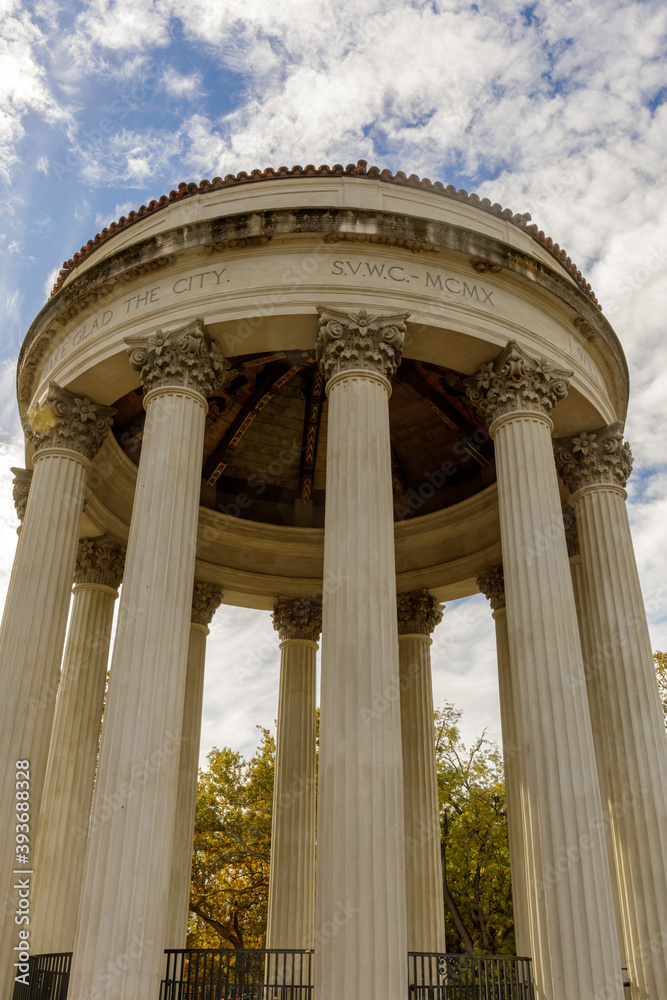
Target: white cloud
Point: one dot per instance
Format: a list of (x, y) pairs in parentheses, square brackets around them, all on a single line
[(10, 456), (24, 86), (121, 209), (179, 85), (552, 117), (51, 279)]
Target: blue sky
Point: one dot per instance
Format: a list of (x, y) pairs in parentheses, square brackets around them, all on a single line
[(557, 107)]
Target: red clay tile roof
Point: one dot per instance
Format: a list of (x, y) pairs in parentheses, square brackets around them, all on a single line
[(358, 170)]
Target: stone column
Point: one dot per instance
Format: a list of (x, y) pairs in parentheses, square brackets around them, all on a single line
[(623, 693), (206, 599), (573, 937), (123, 915), (66, 431), (572, 539), (418, 614), (361, 935), (70, 773), (491, 584), (291, 922)]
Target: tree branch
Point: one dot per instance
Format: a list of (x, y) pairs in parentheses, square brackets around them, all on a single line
[(453, 908)]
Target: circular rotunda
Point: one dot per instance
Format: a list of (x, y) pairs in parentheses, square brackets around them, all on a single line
[(344, 396)]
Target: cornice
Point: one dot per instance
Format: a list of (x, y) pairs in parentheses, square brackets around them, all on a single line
[(251, 228)]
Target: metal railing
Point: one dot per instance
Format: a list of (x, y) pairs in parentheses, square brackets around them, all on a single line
[(47, 978), (232, 974), (469, 977), (282, 974)]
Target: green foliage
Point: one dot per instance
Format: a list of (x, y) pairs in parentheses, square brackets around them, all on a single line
[(230, 870), (475, 849)]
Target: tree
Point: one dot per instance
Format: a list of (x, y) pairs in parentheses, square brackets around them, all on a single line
[(661, 670), (474, 844), (230, 869)]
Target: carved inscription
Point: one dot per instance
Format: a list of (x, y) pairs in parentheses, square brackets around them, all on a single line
[(184, 286), (437, 281)]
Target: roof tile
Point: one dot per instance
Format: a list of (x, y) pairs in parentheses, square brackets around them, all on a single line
[(358, 169)]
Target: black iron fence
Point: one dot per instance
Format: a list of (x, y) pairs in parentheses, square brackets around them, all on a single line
[(232, 974), (47, 978), (469, 977), (272, 974)]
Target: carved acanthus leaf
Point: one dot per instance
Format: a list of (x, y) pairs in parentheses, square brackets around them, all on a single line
[(100, 560), (514, 382), (418, 613), (298, 618), (592, 458), (185, 357), (491, 582), (206, 599), (65, 420), (21, 483), (347, 341)]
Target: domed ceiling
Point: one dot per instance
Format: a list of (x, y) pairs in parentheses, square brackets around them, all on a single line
[(266, 432)]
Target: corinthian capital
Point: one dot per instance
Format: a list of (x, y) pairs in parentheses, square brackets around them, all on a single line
[(418, 613), (298, 618), (593, 458), (100, 560), (515, 381), (65, 420), (206, 599), (185, 357), (21, 483), (347, 341), (491, 582)]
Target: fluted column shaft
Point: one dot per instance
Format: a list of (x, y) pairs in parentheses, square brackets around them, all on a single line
[(32, 637), (120, 936), (511, 747), (573, 935), (186, 802), (423, 861), (68, 790), (206, 600), (423, 864), (491, 584), (291, 919), (632, 747), (575, 946), (361, 938), (596, 725)]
